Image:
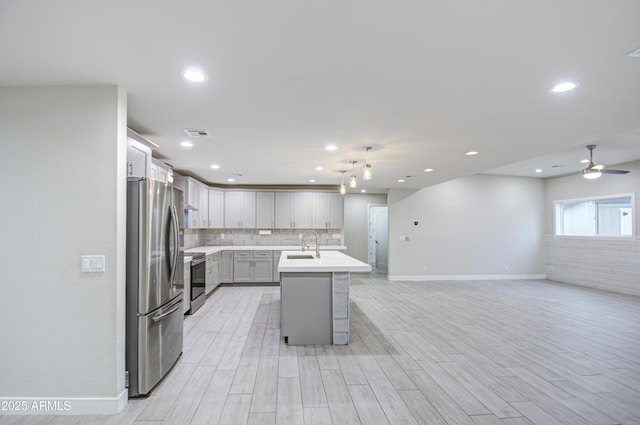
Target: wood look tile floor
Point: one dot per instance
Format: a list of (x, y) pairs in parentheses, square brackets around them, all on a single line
[(476, 353)]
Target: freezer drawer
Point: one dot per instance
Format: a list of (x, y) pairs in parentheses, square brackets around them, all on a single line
[(159, 344)]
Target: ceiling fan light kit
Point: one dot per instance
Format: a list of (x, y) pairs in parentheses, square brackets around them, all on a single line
[(594, 171)]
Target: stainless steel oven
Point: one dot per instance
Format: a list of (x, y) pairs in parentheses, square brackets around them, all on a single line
[(198, 272)]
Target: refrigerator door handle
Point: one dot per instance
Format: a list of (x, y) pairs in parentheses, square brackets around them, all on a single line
[(176, 242), (177, 306), (168, 313)]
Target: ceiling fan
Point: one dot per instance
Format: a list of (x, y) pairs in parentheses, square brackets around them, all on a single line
[(594, 171)]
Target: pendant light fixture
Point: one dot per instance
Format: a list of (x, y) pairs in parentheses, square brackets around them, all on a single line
[(353, 182), (343, 187), (366, 168)]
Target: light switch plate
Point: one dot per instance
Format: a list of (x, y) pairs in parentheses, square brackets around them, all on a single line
[(92, 264)]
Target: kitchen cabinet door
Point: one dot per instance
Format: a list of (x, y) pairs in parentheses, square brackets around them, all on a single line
[(294, 210), (276, 260), (191, 198), (265, 210), (138, 159), (336, 210), (243, 266), (203, 206), (209, 284), (226, 267), (302, 210), (240, 210), (216, 209), (327, 211), (263, 268)]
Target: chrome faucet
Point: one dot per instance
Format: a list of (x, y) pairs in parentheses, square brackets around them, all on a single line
[(317, 242)]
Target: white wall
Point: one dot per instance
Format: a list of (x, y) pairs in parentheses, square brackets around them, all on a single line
[(606, 263), (469, 228), (356, 228), (62, 166)]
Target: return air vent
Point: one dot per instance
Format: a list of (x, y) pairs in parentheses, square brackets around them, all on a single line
[(197, 132)]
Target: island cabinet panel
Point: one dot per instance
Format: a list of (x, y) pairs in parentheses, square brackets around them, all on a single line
[(294, 210), (306, 308)]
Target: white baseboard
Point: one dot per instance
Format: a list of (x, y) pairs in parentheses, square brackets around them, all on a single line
[(425, 278), (63, 405)]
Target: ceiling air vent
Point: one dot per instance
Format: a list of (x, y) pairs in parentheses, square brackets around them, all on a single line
[(197, 132)]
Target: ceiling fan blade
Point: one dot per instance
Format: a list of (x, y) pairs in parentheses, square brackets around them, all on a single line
[(607, 171)]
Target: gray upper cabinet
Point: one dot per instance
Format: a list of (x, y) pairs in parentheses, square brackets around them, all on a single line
[(216, 209), (240, 210), (294, 210), (138, 159), (328, 210), (160, 171), (265, 210), (192, 197)]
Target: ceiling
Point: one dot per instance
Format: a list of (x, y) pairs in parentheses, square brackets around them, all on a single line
[(422, 82)]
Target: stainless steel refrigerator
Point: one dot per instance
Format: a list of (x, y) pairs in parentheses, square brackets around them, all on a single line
[(154, 282)]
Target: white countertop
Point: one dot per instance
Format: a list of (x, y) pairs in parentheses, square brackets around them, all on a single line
[(187, 258), (217, 248), (329, 261)]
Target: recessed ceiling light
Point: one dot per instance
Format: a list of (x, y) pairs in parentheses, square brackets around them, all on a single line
[(363, 190), (194, 75), (538, 170), (331, 147), (564, 87), (186, 144), (319, 168), (215, 166), (312, 180), (401, 180), (471, 153), (231, 179), (584, 161), (428, 170)]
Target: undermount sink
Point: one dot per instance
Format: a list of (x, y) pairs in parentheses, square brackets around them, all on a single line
[(300, 257)]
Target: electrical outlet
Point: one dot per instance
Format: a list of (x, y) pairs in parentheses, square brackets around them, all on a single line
[(424, 268), (506, 268)]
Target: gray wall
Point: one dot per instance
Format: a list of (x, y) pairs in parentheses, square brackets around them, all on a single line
[(64, 185), (356, 228), (469, 228), (599, 262)]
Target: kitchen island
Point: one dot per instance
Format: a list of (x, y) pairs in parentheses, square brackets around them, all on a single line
[(314, 296)]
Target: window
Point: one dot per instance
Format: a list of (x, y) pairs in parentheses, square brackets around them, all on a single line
[(605, 216)]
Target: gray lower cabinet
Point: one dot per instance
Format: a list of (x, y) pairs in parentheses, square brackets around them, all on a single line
[(226, 267), (306, 308), (253, 266), (276, 260), (212, 275), (242, 266)]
